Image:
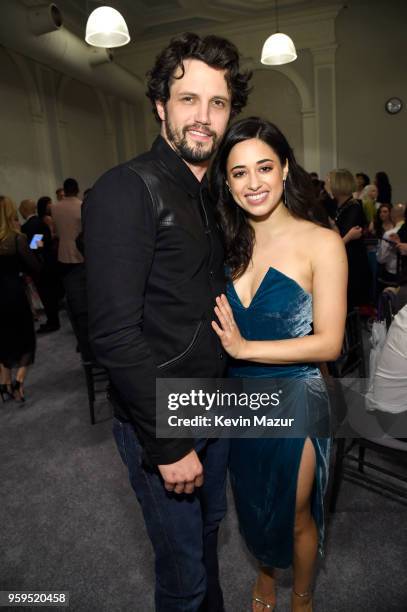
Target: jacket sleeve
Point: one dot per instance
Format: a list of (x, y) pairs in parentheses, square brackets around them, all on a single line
[(119, 237)]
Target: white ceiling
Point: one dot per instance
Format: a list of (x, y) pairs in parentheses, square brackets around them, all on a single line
[(151, 19)]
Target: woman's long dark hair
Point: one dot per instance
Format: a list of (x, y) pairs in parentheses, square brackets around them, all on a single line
[(301, 201), (378, 223), (42, 205), (383, 187)]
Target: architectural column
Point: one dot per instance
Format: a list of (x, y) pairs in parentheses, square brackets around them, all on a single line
[(309, 127), (325, 107), (128, 132)]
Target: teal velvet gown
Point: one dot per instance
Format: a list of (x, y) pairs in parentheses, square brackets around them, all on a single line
[(264, 471)]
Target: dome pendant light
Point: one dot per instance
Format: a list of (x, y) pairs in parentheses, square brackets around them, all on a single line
[(106, 28), (278, 48)]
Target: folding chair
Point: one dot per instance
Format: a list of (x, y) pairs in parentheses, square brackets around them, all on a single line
[(76, 303), (344, 460), (351, 360)]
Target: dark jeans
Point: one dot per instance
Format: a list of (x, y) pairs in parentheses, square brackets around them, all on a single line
[(183, 529)]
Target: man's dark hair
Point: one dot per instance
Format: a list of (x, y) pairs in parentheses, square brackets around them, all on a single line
[(71, 187), (216, 52)]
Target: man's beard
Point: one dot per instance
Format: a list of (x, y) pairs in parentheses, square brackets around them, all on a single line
[(193, 154)]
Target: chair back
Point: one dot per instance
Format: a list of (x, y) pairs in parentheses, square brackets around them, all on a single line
[(385, 310), (352, 357)]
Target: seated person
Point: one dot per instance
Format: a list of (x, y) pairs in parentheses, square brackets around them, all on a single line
[(401, 244), (388, 391), (387, 253)]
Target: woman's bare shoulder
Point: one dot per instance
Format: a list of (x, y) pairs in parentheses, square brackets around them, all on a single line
[(311, 231), (318, 241)]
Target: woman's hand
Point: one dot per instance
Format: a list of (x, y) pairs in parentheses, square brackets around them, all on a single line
[(229, 334), (353, 234)]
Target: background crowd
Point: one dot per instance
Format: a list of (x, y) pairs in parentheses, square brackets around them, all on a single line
[(42, 263), (38, 252)]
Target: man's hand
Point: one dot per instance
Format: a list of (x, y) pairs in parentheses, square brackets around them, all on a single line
[(394, 238), (183, 475)]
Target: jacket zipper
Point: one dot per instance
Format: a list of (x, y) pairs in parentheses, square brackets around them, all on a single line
[(188, 348)]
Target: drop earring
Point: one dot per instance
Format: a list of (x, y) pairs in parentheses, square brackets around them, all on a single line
[(285, 193)]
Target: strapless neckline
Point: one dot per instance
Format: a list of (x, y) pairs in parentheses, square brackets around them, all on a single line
[(270, 269)]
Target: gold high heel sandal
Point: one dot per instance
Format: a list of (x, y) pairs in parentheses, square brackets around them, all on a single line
[(266, 606), (305, 594), (262, 600)]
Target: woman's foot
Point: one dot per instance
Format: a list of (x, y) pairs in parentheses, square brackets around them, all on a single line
[(18, 390), (6, 391), (301, 602), (264, 593)]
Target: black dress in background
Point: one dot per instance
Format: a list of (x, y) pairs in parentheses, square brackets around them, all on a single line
[(349, 215), (17, 334), (48, 282)]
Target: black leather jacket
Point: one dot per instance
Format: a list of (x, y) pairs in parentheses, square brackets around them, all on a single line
[(154, 261)]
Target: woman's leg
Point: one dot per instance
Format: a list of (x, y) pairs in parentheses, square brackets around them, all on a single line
[(265, 590), (305, 532), (5, 382), (21, 373), (19, 384), (5, 375)]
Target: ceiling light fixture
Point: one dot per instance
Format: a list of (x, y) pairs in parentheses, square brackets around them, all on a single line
[(107, 28), (278, 48)]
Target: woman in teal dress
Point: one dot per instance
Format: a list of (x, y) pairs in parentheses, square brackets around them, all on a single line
[(284, 313)]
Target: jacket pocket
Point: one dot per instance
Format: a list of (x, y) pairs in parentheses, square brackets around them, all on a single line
[(174, 360)]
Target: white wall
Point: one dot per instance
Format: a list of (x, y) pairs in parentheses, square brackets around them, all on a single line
[(371, 66), (86, 144), (19, 155), (329, 102), (276, 98), (350, 60), (53, 127)]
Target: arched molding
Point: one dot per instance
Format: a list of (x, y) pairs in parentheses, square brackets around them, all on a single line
[(306, 95), (64, 83), (32, 81), (30, 84), (302, 87), (104, 109), (308, 114), (59, 98), (107, 115), (106, 104), (62, 123)]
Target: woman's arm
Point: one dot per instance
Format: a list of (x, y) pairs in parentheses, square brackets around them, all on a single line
[(330, 272), (30, 262), (353, 234), (49, 221)]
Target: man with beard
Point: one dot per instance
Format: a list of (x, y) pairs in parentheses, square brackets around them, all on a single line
[(155, 265)]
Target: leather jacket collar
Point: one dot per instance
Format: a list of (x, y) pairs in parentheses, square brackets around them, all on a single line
[(177, 167)]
